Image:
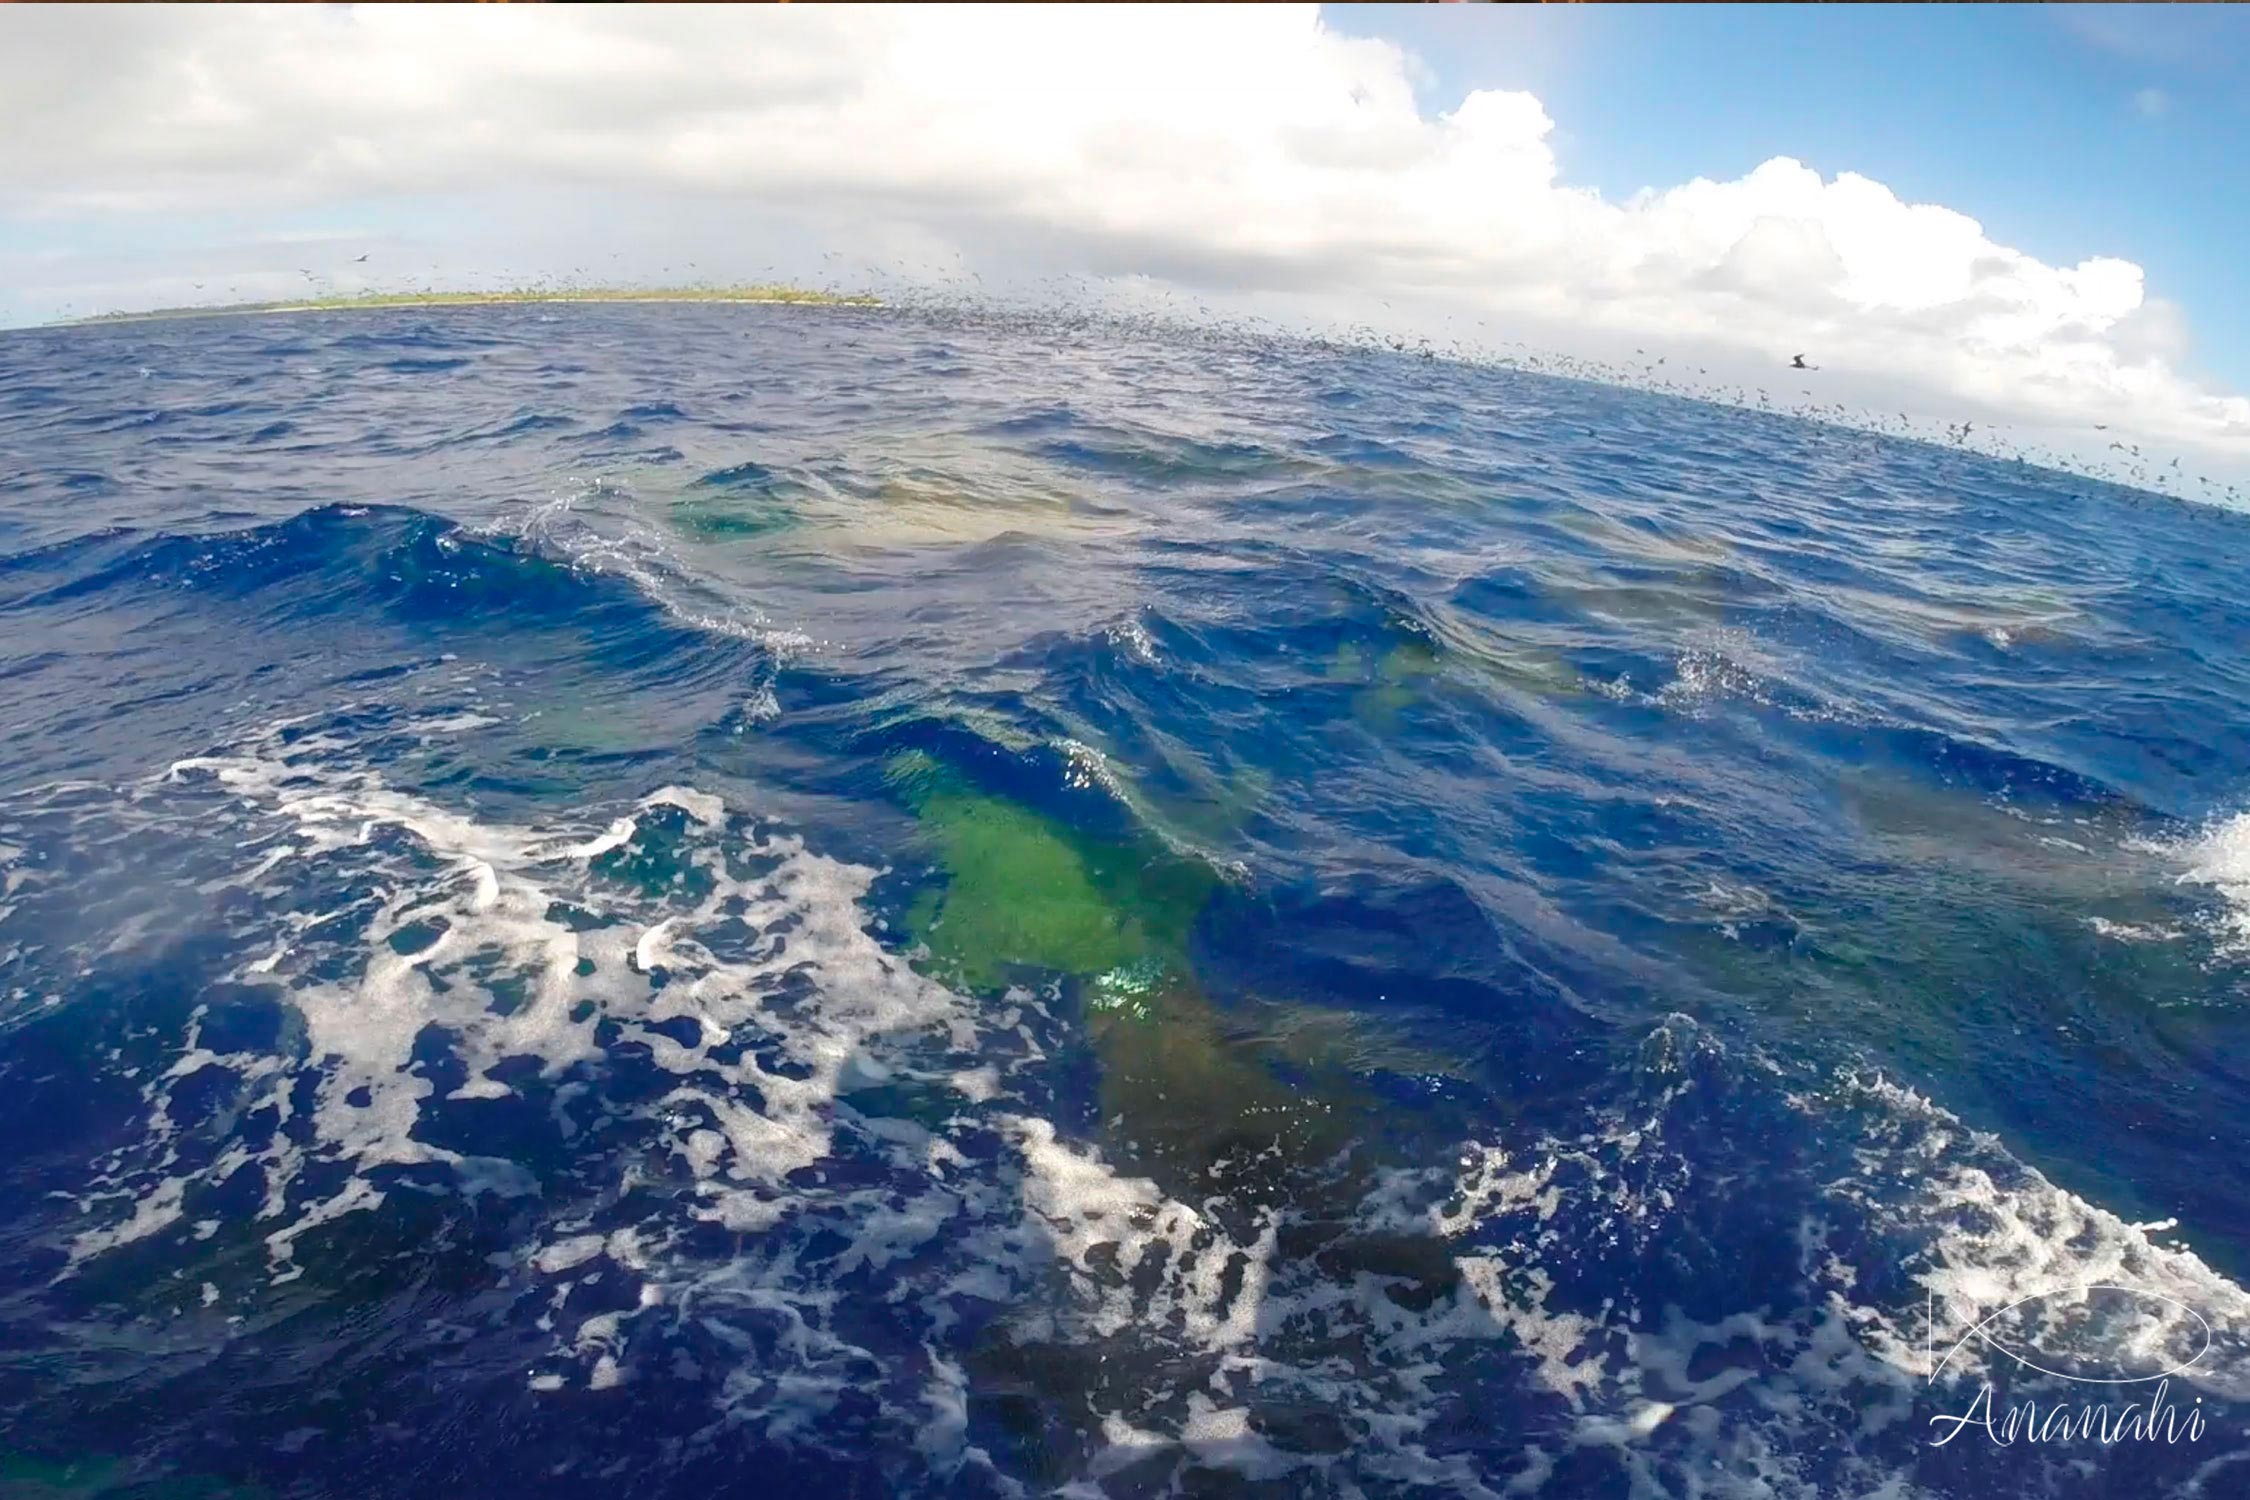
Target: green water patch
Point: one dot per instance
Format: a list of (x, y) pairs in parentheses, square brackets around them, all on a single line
[(1409, 658), (925, 491), (1261, 1115), (716, 518), (1392, 673), (743, 501), (892, 515), (919, 512), (1021, 891), (1408, 664), (1202, 1106), (1263, 1101)]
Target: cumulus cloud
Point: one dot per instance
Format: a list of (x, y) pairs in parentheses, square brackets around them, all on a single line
[(1251, 150)]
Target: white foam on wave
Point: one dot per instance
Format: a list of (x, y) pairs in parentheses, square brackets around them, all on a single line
[(2005, 1235), (706, 808), (1131, 637), (2220, 859), (2133, 932), (1738, 1403), (873, 1146), (470, 906), (1703, 675), (747, 973)]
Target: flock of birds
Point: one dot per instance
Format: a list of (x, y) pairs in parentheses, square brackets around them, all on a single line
[(1054, 302)]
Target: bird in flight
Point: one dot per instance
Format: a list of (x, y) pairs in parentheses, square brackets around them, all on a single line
[(361, 256), (1798, 363)]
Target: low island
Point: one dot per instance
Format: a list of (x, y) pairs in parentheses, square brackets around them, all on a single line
[(364, 301)]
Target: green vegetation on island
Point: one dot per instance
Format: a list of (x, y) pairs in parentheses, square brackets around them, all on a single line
[(368, 301)]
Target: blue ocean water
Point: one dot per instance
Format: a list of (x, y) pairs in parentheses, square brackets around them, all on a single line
[(690, 900)]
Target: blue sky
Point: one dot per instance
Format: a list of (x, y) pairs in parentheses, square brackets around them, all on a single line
[(2068, 131)]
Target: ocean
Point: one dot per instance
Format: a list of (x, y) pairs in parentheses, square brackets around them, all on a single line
[(673, 901)]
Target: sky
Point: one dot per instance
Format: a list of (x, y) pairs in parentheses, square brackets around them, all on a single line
[(2028, 216)]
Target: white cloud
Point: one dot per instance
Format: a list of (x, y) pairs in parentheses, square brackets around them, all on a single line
[(1243, 150)]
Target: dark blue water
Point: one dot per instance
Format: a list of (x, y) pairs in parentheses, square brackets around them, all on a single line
[(676, 901)]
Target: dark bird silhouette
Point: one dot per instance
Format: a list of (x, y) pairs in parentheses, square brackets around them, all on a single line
[(1797, 362)]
